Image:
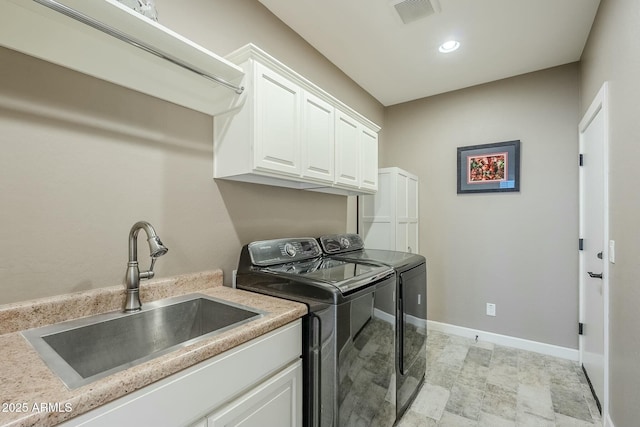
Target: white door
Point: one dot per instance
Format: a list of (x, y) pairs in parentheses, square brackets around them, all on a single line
[(594, 234)]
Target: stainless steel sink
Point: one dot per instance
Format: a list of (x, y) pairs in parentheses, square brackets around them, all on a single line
[(84, 350)]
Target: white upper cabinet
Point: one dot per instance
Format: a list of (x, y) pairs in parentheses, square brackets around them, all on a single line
[(318, 139), (81, 44), (277, 123), (356, 155), (368, 159), (286, 131), (347, 151)]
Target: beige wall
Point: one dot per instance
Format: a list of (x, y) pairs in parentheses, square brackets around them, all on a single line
[(517, 250), (82, 160), (613, 54)]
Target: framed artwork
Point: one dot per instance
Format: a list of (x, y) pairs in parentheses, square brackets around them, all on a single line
[(489, 168)]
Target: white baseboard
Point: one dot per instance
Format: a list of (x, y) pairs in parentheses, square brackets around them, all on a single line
[(508, 341), (383, 315), (415, 321)]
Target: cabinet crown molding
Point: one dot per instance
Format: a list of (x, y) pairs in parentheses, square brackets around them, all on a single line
[(251, 51)]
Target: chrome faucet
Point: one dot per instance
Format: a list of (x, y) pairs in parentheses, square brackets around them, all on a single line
[(156, 248)]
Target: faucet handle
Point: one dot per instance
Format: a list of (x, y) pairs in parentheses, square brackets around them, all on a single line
[(149, 273), (153, 262)]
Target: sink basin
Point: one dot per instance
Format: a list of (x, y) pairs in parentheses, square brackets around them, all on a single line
[(84, 350)]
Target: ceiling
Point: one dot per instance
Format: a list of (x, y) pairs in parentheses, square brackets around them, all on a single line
[(397, 62)]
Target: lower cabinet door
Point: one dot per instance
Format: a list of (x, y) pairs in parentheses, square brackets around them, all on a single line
[(276, 402)]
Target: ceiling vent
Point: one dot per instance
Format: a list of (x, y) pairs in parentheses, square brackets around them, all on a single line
[(412, 10)]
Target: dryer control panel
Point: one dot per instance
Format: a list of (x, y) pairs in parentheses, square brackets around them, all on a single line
[(339, 243)]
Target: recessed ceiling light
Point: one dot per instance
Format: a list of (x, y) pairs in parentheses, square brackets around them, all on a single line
[(449, 46)]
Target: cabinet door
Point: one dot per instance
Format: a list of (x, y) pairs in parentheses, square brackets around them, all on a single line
[(369, 159), (412, 214), (275, 403), (402, 205), (412, 198), (407, 213), (401, 243), (407, 236), (277, 123), (318, 139), (347, 151), (377, 214), (412, 237)]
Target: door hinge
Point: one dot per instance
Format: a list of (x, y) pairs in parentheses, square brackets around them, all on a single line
[(580, 244), (581, 160), (580, 328)]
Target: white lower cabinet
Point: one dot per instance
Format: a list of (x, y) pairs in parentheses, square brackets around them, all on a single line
[(275, 403), (258, 383)]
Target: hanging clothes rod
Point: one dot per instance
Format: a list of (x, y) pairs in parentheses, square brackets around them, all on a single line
[(79, 16)]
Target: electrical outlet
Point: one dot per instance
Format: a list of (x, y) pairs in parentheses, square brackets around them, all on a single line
[(233, 278), (491, 309)]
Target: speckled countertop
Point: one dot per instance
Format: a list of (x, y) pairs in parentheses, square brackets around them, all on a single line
[(26, 383)]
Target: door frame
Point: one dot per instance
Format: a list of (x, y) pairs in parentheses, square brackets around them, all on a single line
[(600, 103)]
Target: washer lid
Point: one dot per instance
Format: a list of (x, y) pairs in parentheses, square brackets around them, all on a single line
[(346, 276), (398, 260)]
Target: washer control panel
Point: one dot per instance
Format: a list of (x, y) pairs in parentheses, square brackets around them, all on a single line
[(281, 251), (290, 249)]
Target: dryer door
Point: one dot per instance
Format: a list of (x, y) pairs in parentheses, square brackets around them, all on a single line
[(412, 292)]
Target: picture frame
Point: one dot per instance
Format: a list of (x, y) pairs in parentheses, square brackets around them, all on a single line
[(489, 168)]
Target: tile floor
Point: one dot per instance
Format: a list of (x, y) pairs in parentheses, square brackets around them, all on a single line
[(486, 385)]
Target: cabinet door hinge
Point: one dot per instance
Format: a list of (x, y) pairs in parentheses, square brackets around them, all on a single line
[(580, 328), (580, 244), (581, 160)]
